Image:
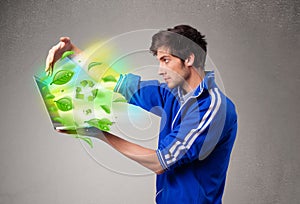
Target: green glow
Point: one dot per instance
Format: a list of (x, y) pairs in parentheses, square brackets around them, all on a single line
[(69, 66), (76, 97), (100, 93)]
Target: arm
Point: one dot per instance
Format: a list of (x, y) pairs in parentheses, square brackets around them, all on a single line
[(144, 156), (145, 94)]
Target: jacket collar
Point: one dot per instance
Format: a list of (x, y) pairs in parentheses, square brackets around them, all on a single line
[(207, 83)]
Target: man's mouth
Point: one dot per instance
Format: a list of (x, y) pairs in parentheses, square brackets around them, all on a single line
[(167, 79)]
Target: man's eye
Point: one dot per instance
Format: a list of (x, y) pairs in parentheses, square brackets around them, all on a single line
[(166, 60)]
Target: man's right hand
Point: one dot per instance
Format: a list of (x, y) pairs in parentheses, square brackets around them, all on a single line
[(56, 52)]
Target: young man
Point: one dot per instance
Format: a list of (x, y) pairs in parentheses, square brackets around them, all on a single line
[(198, 122)]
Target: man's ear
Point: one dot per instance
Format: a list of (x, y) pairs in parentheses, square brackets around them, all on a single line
[(190, 60)]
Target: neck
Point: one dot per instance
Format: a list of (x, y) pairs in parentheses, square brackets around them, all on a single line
[(196, 77)]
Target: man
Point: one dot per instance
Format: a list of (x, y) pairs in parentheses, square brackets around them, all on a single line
[(198, 122)]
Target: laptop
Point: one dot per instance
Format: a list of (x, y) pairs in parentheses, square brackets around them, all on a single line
[(55, 116)]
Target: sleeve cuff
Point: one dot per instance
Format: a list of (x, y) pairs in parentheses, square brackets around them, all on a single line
[(119, 83), (161, 160)]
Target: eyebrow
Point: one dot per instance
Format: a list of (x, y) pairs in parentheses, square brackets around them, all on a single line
[(165, 55)]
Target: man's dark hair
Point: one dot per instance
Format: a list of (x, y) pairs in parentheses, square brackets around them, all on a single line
[(181, 41)]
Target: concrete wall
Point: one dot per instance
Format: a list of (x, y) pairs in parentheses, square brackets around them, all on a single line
[(255, 46)]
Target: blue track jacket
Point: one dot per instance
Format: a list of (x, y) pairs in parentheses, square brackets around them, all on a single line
[(195, 140)]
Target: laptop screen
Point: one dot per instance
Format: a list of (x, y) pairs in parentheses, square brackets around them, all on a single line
[(52, 110)]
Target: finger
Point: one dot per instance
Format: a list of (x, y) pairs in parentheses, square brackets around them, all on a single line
[(49, 60), (48, 71), (65, 39), (60, 45), (47, 64), (51, 69)]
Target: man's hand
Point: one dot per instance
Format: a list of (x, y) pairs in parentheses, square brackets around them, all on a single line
[(57, 51)]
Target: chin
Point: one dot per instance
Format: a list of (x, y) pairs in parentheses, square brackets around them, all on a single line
[(171, 86)]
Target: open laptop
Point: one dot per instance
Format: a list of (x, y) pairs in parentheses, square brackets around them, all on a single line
[(83, 129)]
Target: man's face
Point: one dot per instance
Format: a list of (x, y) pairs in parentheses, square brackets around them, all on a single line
[(171, 68)]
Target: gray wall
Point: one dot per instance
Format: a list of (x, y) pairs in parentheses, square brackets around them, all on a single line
[(254, 44)]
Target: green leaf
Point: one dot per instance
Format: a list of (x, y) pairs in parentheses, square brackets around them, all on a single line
[(49, 96), (102, 124), (120, 100), (94, 92), (104, 127), (58, 119), (105, 121), (109, 78), (64, 104), (67, 53), (86, 139), (93, 122), (105, 108), (92, 64), (62, 77)]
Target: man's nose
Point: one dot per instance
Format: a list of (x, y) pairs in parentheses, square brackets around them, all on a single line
[(161, 70)]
